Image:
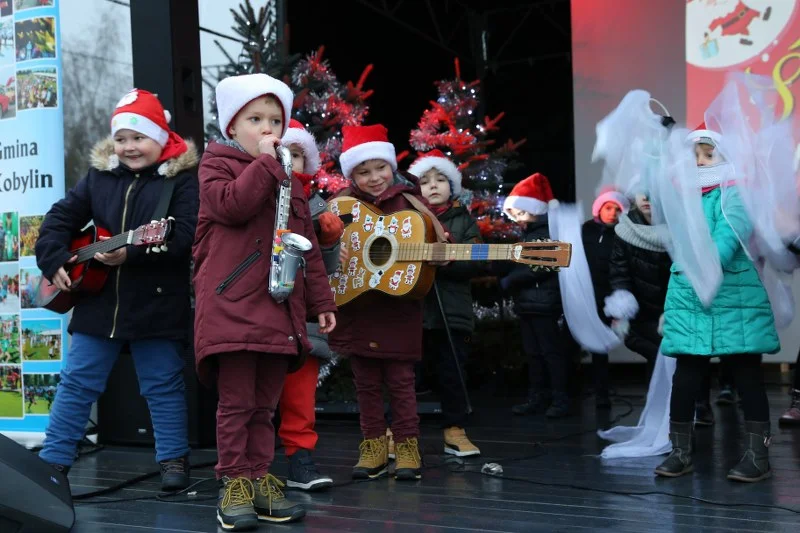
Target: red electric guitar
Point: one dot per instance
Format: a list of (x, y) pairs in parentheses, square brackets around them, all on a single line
[(87, 275)]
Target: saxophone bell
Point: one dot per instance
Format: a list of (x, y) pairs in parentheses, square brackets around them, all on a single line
[(288, 248)]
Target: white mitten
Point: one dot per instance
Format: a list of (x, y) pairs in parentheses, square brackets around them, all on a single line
[(621, 305)]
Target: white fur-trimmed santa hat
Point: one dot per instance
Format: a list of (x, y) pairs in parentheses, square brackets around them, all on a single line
[(235, 92), (436, 159), (533, 194), (362, 143), (297, 134), (704, 135), (610, 195)]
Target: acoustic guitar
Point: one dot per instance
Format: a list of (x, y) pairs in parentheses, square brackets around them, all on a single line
[(89, 275), (391, 253)]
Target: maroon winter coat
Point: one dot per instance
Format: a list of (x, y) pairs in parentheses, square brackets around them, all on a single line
[(234, 310), (375, 324)]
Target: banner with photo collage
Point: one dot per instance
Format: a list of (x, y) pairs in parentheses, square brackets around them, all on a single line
[(32, 341)]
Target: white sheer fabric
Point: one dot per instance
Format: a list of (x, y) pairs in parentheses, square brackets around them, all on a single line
[(577, 291), (651, 435)]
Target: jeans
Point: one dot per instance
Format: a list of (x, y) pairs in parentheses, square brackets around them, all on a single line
[(159, 367)]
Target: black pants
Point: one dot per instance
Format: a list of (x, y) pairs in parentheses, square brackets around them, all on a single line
[(438, 357), (548, 361), (692, 371)]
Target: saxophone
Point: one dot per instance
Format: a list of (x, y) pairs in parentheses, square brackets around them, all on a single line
[(287, 247)]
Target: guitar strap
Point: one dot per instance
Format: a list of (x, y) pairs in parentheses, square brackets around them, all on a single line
[(163, 202), (422, 208)]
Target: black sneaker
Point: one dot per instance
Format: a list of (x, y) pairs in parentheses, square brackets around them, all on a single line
[(303, 473), (175, 474), (271, 505)]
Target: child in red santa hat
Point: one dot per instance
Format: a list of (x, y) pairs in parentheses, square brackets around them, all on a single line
[(146, 300), (380, 334), (297, 403), (598, 241), (245, 340), (537, 302), (440, 181)]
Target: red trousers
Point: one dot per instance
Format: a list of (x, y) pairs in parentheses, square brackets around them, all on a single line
[(297, 408), (249, 386), (370, 374)]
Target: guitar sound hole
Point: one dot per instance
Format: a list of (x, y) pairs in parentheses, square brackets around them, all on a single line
[(380, 251)]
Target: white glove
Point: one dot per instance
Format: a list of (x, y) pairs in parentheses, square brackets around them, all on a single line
[(621, 328)]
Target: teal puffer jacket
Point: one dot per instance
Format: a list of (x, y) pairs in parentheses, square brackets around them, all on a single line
[(739, 320)]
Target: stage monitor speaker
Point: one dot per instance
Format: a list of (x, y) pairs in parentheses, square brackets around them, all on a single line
[(34, 498)]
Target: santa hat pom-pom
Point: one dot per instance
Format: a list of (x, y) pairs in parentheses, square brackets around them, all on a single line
[(167, 116)]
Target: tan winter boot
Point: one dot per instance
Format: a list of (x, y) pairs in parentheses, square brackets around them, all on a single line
[(408, 465), (373, 459), (456, 443)]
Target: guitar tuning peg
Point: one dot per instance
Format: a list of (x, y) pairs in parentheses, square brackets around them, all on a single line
[(170, 218), (147, 250), (163, 247), (156, 250), (154, 221)]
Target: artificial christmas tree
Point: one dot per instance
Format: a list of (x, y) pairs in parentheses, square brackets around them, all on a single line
[(454, 125)]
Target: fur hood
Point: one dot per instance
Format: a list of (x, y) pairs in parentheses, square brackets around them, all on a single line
[(104, 158)]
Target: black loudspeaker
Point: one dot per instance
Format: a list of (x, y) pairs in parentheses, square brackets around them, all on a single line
[(123, 416), (34, 498)]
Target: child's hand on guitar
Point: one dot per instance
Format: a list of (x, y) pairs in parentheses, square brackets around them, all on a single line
[(327, 321), (61, 278), (344, 256), (442, 263), (117, 257)]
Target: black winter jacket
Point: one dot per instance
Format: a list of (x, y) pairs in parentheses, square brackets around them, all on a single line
[(147, 296), (535, 290), (642, 272), (453, 280)]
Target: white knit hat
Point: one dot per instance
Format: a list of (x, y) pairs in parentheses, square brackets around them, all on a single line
[(235, 92), (436, 159), (362, 143), (297, 134)]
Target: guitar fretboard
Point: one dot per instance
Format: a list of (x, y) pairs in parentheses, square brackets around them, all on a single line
[(454, 252), (100, 247)]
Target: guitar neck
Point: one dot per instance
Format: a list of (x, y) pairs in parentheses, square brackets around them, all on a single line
[(101, 247), (454, 252)]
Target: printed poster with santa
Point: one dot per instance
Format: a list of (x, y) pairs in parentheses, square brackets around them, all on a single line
[(757, 36)]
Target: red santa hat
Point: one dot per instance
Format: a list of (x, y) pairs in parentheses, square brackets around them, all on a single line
[(436, 159), (610, 195), (297, 134), (141, 111), (235, 92), (362, 143), (533, 194), (704, 135)]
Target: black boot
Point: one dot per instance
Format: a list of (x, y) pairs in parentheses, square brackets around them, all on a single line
[(754, 465), (175, 474), (792, 415), (536, 404), (560, 406), (679, 461)]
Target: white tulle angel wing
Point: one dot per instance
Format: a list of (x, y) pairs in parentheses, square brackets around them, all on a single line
[(630, 142)]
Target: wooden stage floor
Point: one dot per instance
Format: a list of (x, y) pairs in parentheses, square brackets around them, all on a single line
[(552, 481)]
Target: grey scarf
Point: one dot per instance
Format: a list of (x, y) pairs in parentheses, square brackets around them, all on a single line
[(640, 235)]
